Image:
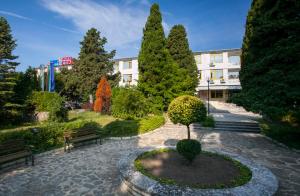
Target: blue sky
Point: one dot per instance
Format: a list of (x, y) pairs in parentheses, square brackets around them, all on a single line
[(48, 29)]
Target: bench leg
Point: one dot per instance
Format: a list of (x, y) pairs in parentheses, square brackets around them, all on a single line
[(65, 147), (32, 160)]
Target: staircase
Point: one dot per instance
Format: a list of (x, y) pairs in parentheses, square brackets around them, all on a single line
[(249, 127)]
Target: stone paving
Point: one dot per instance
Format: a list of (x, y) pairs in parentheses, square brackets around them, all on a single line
[(92, 169)]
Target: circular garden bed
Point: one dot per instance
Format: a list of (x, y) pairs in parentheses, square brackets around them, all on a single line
[(208, 170), (165, 172)]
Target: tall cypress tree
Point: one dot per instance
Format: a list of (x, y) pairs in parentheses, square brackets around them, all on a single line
[(7, 72), (93, 63), (178, 46), (270, 58), (158, 74)]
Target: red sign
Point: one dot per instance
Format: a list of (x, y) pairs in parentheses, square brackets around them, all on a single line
[(67, 60)]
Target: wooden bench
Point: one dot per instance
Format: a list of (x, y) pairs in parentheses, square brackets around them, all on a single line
[(13, 150), (79, 136)]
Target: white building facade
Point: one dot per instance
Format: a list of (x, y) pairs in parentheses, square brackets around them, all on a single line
[(218, 68)]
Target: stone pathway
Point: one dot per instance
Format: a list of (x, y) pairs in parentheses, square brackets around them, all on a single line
[(91, 170)]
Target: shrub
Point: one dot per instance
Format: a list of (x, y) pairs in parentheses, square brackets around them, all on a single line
[(129, 103), (188, 148), (103, 97), (50, 102), (186, 110), (209, 121), (47, 136)]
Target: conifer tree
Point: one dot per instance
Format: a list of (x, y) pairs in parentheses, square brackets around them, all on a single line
[(270, 59), (158, 74), (93, 63), (178, 46), (7, 72), (103, 97)]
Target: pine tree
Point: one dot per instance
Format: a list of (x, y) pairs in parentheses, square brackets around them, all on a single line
[(178, 46), (103, 97), (270, 59), (7, 72), (93, 63), (158, 74)]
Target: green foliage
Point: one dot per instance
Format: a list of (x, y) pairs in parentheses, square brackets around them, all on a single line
[(159, 75), (178, 46), (188, 148), (209, 121), (50, 102), (128, 103), (46, 136), (9, 110), (270, 59), (93, 63), (186, 110), (282, 132)]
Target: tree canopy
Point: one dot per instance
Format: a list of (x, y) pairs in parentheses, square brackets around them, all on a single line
[(270, 59), (178, 46), (93, 63), (158, 74), (8, 109)]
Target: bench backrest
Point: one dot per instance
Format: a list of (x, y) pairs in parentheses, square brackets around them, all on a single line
[(83, 132), (12, 146)]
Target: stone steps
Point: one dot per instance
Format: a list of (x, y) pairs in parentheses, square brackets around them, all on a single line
[(248, 127)]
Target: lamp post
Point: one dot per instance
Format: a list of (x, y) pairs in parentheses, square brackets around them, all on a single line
[(208, 80)]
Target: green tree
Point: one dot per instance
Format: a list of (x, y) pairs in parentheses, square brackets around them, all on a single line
[(270, 59), (26, 83), (8, 109), (158, 75), (178, 46), (93, 63)]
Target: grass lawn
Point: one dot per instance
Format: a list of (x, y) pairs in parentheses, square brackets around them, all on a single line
[(49, 135), (282, 132)]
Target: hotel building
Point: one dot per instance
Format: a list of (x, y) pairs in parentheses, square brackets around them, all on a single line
[(218, 68)]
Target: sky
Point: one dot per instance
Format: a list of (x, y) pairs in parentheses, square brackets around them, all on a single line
[(49, 29)]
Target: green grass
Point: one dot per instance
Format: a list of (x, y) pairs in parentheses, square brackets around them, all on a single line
[(282, 132), (50, 134), (244, 177)]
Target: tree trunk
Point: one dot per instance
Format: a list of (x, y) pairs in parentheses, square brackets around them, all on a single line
[(188, 129)]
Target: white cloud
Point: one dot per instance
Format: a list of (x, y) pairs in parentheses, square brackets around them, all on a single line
[(14, 15), (120, 24)]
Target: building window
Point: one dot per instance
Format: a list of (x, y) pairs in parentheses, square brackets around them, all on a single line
[(116, 67), (216, 94), (198, 59), (233, 73), (127, 78), (216, 74), (127, 65), (216, 58), (234, 60)]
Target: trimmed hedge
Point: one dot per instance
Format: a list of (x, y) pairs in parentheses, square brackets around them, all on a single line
[(188, 148)]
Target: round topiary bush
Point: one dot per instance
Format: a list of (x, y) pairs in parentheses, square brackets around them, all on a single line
[(186, 110), (188, 148)]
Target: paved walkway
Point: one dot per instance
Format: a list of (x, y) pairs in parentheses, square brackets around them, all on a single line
[(91, 170), (222, 111)]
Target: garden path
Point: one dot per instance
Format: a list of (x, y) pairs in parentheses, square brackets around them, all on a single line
[(91, 170)]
